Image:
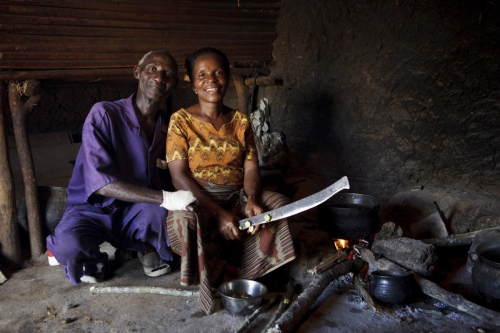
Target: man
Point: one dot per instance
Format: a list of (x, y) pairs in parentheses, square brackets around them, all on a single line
[(116, 192)]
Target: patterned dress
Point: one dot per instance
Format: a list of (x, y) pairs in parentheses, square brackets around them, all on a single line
[(216, 160)]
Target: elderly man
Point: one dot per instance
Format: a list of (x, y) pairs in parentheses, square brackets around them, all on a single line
[(116, 192)]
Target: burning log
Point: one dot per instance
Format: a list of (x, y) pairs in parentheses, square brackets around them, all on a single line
[(456, 239), (328, 262), (302, 304), (433, 290)]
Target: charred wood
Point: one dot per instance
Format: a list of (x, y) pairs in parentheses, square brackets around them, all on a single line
[(431, 289)]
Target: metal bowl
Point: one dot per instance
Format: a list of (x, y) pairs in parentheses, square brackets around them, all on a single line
[(242, 297)]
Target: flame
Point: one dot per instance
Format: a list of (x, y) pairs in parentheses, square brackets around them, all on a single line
[(341, 244)]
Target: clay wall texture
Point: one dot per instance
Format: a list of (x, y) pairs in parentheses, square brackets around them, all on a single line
[(391, 93)]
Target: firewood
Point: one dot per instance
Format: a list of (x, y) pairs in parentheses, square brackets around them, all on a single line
[(456, 239), (144, 290), (255, 314), (431, 289), (287, 322), (365, 294), (284, 304), (328, 262)]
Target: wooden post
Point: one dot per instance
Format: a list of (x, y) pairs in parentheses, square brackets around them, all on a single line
[(242, 92), (20, 111), (10, 247)]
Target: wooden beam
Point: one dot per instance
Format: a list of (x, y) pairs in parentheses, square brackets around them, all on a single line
[(101, 74), (20, 110), (10, 248)]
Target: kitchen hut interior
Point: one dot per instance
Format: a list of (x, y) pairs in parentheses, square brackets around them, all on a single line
[(401, 97)]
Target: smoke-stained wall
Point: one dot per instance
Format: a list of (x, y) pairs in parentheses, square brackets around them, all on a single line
[(390, 93)]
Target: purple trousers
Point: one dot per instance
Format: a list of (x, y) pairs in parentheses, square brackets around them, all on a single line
[(76, 239)]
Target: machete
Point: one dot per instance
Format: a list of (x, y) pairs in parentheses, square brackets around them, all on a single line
[(297, 206)]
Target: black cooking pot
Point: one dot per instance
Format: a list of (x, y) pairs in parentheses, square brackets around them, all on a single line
[(349, 216), (486, 271), (391, 286)]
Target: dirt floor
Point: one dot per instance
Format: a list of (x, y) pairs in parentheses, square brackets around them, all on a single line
[(38, 298)]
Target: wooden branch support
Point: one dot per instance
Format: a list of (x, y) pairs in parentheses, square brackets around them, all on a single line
[(331, 260), (255, 314), (365, 294), (241, 92), (456, 239), (431, 289), (10, 247), (263, 81), (144, 290), (284, 304), (287, 322), (20, 111)]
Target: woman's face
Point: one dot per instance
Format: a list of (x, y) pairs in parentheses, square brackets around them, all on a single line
[(210, 80)]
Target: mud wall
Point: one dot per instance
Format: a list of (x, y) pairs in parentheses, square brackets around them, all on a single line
[(393, 94)]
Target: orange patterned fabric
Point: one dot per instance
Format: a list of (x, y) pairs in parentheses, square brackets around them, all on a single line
[(215, 156)]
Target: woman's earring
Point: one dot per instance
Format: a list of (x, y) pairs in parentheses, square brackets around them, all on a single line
[(196, 92)]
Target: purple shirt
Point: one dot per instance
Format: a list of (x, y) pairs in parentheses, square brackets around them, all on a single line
[(114, 148)]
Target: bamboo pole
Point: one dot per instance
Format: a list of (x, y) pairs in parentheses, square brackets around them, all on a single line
[(10, 247), (20, 111)]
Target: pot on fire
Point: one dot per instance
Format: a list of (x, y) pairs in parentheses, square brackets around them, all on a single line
[(349, 216), (486, 271)]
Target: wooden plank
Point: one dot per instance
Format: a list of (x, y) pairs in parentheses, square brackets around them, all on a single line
[(84, 31), (194, 43), (150, 14), (142, 48), (74, 64), (243, 5), (56, 55), (64, 21), (105, 74)]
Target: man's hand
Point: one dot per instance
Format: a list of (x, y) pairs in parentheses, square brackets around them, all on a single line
[(179, 200)]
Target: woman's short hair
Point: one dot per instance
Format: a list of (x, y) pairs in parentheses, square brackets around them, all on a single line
[(191, 60)]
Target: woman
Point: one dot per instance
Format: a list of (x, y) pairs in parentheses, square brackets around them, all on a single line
[(211, 151)]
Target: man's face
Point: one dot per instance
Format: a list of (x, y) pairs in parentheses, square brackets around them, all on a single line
[(157, 76)]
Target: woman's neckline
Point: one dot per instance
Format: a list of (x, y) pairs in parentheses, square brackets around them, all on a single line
[(209, 123)]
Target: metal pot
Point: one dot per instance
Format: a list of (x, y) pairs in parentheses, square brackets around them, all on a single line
[(391, 286), (486, 271), (349, 216)]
